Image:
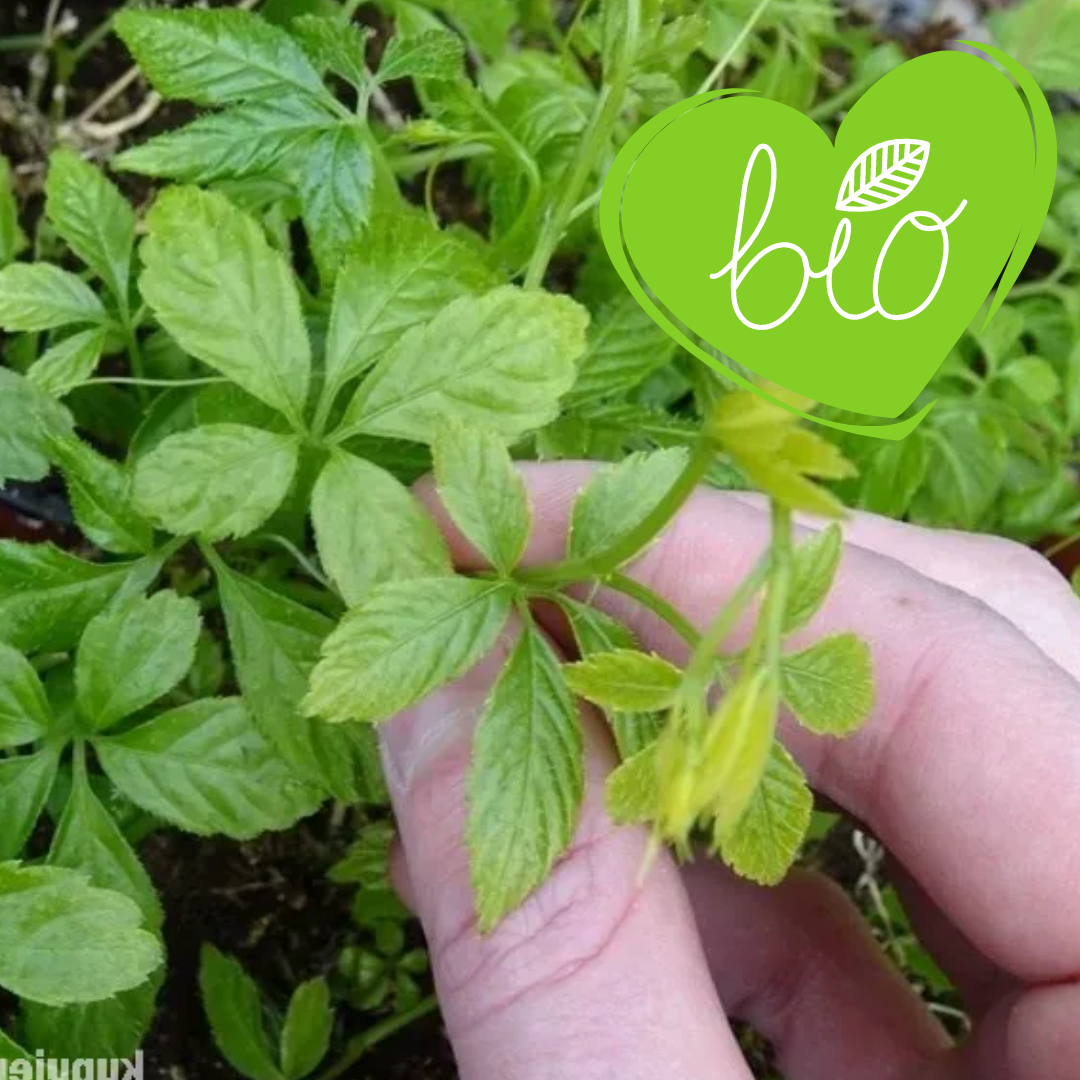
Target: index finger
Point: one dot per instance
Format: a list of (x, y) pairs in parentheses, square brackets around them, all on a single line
[(969, 768)]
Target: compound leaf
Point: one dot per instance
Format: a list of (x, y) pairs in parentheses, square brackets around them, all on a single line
[(28, 420), (25, 715), (830, 686), (625, 680), (25, 783), (433, 54)]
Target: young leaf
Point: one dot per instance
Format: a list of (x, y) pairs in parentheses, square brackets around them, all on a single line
[(25, 783), (625, 680), (39, 296), (305, 1035), (100, 495), (619, 498), (526, 780), (68, 363), (830, 686), (25, 715), (403, 274), (812, 571), (12, 238), (28, 418), (331, 45), (89, 840), (404, 640), (484, 493), (133, 653), (207, 769), (370, 529), (434, 54), (216, 481), (765, 842), (275, 644), (225, 295), (632, 791), (92, 218), (501, 361), (216, 57), (63, 941), (234, 1009)]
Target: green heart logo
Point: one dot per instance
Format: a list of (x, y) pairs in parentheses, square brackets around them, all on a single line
[(842, 273)]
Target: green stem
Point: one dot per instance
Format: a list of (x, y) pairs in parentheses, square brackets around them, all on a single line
[(138, 368), (557, 575), (714, 76), (360, 1044), (655, 603), (596, 135), (168, 383), (422, 160), (779, 585), (23, 43)]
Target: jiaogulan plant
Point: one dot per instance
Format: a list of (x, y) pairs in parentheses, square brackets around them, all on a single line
[(239, 383)]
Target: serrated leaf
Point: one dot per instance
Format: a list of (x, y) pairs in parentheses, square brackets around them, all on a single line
[(483, 492), (403, 274), (370, 529), (234, 1009), (12, 238), (333, 45), (500, 361), (766, 841), (100, 495), (25, 715), (25, 783), (275, 643), (63, 941), (433, 54), (305, 1035), (216, 481), (28, 419), (619, 498), (403, 641), (526, 780), (91, 216), (883, 175), (625, 680), (336, 177), (68, 363), (226, 296), (830, 686), (216, 57), (813, 568), (88, 839), (207, 769), (632, 791), (134, 653), (39, 296)]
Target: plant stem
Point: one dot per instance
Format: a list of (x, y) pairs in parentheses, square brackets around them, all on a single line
[(714, 76), (168, 383), (360, 1044), (606, 111), (138, 368), (655, 603)]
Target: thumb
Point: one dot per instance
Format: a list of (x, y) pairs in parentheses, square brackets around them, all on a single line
[(596, 974)]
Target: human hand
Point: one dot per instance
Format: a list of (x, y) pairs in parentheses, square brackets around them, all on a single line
[(968, 771)]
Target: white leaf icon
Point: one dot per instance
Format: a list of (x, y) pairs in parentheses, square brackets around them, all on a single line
[(883, 175)]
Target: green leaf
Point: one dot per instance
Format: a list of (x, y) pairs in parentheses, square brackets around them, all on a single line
[(305, 1036), (1044, 36), (250, 140), (619, 498), (39, 296), (632, 791), (216, 481), (433, 54), (1034, 378), (234, 1009), (91, 216), (11, 1050), (226, 296), (336, 177), (216, 57), (12, 238), (403, 641), (764, 844), (25, 715), (64, 941), (526, 780), (133, 653), (275, 644), (28, 418), (89, 840), (207, 769), (100, 495), (830, 686), (483, 492), (625, 680), (501, 361), (341, 48), (25, 783), (894, 473), (69, 363), (403, 274), (487, 23), (370, 529), (48, 596), (813, 569)]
